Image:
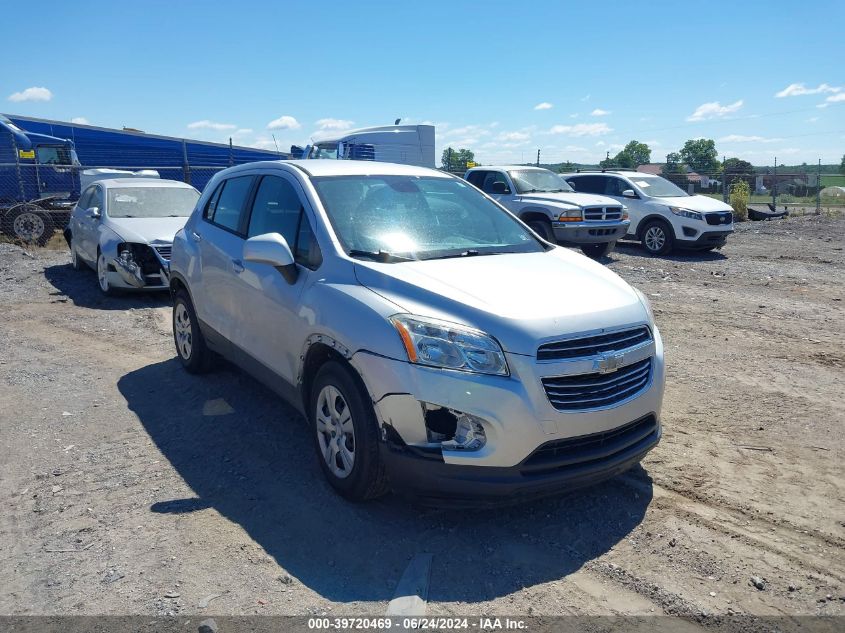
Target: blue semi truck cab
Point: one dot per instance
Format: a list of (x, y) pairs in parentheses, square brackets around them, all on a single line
[(39, 183)]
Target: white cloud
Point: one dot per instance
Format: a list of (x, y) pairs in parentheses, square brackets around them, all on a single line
[(285, 122), (599, 112), (832, 99), (81, 120), (31, 94), (334, 124), (543, 106), (797, 90), (205, 124), (599, 143), (242, 131), (713, 110), (741, 138), (582, 129), (585, 98), (514, 137), (812, 119)]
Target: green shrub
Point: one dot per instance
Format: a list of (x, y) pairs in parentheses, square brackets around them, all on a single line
[(740, 193)]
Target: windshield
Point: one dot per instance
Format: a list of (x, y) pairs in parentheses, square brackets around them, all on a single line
[(419, 218), (151, 202), (324, 150), (54, 155), (538, 180), (657, 187)]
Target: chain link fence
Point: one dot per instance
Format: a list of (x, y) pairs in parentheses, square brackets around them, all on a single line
[(37, 199)]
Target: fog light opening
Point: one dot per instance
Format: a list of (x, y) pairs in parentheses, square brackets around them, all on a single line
[(454, 430)]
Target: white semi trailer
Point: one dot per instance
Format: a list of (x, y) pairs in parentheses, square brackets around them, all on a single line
[(406, 144)]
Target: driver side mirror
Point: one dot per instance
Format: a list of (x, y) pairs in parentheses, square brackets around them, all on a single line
[(272, 249), (629, 193), (93, 212), (499, 188)]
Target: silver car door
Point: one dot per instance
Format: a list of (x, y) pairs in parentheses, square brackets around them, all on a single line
[(270, 322)]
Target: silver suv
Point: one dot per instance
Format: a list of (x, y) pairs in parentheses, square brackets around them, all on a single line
[(434, 344)]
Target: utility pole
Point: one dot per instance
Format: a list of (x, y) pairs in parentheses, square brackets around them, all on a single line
[(724, 180), (775, 186), (538, 158), (819, 188)]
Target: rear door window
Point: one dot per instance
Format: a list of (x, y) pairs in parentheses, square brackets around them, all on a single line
[(226, 207), (587, 184)]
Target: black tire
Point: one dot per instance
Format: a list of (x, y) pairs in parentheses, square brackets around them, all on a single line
[(29, 224), (597, 251), (76, 261), (543, 228), (191, 348), (657, 237), (367, 478)]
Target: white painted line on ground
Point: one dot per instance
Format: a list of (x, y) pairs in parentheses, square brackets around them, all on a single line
[(411, 595)]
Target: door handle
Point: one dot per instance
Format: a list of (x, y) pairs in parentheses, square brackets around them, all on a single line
[(196, 236), (237, 265)]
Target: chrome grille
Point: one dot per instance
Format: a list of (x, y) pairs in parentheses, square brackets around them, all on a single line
[(164, 251), (596, 390), (592, 345), (596, 214)]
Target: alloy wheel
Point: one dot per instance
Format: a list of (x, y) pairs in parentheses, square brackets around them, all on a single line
[(655, 238), (183, 331), (102, 273), (335, 432)]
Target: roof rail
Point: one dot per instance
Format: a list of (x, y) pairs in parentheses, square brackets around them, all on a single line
[(605, 169)]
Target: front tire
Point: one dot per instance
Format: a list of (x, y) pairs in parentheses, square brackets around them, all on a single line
[(597, 251), (543, 228), (103, 275), (191, 348), (346, 434), (657, 238)]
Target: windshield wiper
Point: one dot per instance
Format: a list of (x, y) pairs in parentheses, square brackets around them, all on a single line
[(379, 256), (471, 252)]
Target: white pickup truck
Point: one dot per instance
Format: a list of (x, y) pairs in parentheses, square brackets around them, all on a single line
[(546, 203)]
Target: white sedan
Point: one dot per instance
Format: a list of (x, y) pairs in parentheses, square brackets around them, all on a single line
[(124, 229)]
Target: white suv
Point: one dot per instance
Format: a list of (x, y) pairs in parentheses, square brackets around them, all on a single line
[(663, 216), (434, 344)]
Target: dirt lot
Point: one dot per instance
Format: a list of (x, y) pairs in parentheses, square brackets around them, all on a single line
[(128, 486)]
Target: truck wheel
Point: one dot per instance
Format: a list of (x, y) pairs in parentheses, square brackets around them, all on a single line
[(597, 251), (543, 228), (657, 237), (29, 224), (346, 434)]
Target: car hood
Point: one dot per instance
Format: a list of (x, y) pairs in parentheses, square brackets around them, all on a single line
[(572, 198), (703, 204), (147, 230), (520, 299)]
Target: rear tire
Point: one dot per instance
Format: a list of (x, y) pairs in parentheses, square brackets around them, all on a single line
[(657, 238), (191, 347), (597, 251), (346, 434), (29, 224), (543, 228), (75, 260)]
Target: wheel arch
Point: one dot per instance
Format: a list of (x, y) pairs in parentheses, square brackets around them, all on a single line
[(319, 350), (648, 219)]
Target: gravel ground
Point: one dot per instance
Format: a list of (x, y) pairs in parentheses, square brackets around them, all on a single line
[(131, 487)]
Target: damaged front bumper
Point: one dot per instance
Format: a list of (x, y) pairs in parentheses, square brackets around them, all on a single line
[(142, 266)]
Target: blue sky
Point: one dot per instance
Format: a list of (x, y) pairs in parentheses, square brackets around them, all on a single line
[(575, 79)]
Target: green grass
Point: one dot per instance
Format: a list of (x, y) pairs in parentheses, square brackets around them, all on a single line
[(833, 180)]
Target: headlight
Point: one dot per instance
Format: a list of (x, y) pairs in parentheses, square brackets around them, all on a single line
[(646, 304), (438, 343), (624, 212), (687, 213), (570, 215)]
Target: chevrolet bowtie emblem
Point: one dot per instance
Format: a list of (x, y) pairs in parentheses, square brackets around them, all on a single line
[(608, 364)]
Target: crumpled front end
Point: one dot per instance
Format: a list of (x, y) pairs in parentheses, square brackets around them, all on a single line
[(143, 265)]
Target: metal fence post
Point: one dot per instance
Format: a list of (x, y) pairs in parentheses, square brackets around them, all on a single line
[(775, 186), (819, 188)]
